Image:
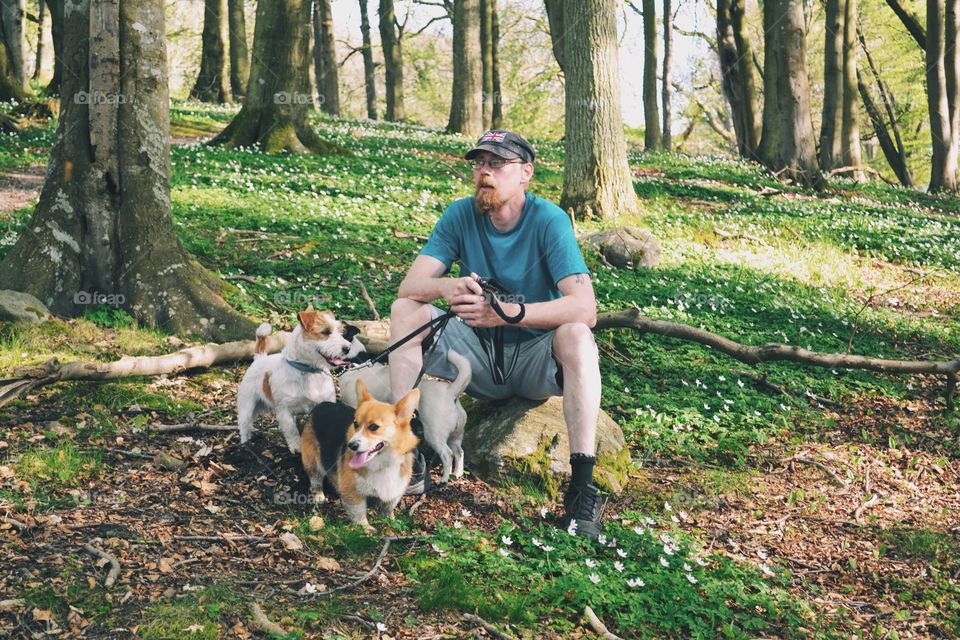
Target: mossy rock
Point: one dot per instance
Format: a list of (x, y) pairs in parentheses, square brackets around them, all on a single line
[(526, 441)]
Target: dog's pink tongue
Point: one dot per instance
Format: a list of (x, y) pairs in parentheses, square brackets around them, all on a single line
[(359, 459)]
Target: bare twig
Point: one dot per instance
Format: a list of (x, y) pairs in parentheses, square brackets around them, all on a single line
[(191, 426), (229, 537), (403, 234), (874, 499), (366, 296), (114, 563), (881, 294), (819, 465), (264, 623), (489, 628), (597, 625), (368, 574)]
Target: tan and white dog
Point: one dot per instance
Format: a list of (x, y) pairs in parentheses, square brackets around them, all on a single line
[(297, 379), (443, 416), (366, 453)]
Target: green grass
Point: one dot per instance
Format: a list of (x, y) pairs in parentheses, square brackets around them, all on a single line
[(681, 592), (201, 614)]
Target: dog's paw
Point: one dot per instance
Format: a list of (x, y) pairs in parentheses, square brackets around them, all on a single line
[(319, 497)]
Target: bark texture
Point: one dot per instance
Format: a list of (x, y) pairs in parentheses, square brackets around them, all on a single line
[(497, 117), (41, 15), (12, 14), (486, 57), (239, 53), (666, 87), (369, 77), (392, 61), (213, 81), (941, 76), (56, 8), (737, 76), (466, 103), (651, 112), (325, 58)]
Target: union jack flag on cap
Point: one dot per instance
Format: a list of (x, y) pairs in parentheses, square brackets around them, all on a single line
[(493, 136)]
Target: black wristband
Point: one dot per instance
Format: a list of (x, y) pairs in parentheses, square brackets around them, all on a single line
[(517, 318)]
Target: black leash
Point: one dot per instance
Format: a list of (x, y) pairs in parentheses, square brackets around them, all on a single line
[(497, 293), (435, 325)]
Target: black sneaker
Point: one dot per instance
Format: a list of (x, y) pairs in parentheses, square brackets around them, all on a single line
[(582, 508), (420, 480)]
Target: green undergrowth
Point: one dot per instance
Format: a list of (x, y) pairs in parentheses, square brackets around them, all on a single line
[(644, 579)]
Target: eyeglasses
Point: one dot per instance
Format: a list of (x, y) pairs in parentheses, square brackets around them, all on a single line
[(493, 163)]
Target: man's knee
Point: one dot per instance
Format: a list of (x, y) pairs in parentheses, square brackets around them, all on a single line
[(574, 340), (406, 311)]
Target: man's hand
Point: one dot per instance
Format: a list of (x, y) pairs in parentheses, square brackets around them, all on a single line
[(470, 303)]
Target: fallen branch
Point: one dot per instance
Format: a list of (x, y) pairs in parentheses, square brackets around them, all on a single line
[(366, 297), (193, 426), (264, 623), (772, 352), (368, 574), (857, 515), (114, 563), (486, 626), (597, 625)]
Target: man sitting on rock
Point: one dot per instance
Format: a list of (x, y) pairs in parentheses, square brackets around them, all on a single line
[(534, 339)]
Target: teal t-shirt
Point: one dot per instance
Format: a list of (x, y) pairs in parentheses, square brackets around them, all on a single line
[(529, 260)]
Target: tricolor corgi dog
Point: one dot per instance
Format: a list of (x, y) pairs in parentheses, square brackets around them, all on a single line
[(367, 453), (297, 379)]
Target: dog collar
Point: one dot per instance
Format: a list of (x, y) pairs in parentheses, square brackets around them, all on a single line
[(299, 366)]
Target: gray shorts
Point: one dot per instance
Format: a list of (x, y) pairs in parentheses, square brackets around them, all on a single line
[(536, 374)]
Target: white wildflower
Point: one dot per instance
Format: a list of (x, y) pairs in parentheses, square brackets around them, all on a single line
[(663, 561), (635, 582), (507, 540), (618, 566), (590, 563), (691, 578), (594, 578)]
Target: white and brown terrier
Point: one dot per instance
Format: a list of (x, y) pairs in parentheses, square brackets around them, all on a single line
[(367, 453), (294, 381)]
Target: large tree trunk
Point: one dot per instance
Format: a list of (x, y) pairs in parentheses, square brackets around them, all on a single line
[(12, 14), (325, 58), (943, 169), (239, 55), (466, 103), (850, 114), (667, 141), (486, 56), (102, 231), (392, 61), (41, 14), (10, 87), (788, 145), (737, 73), (213, 81), (831, 156), (369, 77), (651, 113), (56, 32), (596, 179), (497, 117), (840, 128), (274, 114)]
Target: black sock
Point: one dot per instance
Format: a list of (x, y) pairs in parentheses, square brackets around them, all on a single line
[(581, 466)]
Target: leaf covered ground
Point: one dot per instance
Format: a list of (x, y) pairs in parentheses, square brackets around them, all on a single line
[(779, 501)]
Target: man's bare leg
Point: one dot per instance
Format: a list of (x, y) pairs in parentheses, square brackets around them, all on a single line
[(576, 351), (405, 316)]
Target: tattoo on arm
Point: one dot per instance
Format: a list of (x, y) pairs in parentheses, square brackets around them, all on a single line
[(580, 279)]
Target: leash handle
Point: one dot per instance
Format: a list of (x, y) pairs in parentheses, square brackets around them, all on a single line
[(495, 290)]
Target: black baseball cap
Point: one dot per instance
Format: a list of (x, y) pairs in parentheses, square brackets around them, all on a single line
[(505, 144)]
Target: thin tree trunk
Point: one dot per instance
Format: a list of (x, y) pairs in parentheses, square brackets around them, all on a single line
[(831, 155), (213, 81), (274, 114), (667, 141), (41, 11), (466, 103), (369, 77), (770, 135), (392, 61), (736, 71), (911, 22), (12, 15), (56, 8), (943, 169), (557, 31), (102, 230), (325, 58), (850, 120), (651, 113), (891, 152), (794, 155), (497, 118), (596, 178), (897, 155), (239, 53), (486, 55)]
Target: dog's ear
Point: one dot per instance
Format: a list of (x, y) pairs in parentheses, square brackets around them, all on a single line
[(349, 331), (307, 319), (407, 405), (362, 392)]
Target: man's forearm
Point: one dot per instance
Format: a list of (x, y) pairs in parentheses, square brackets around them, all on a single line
[(553, 313), (423, 289)]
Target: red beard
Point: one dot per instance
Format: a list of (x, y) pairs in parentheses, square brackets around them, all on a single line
[(488, 200)]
